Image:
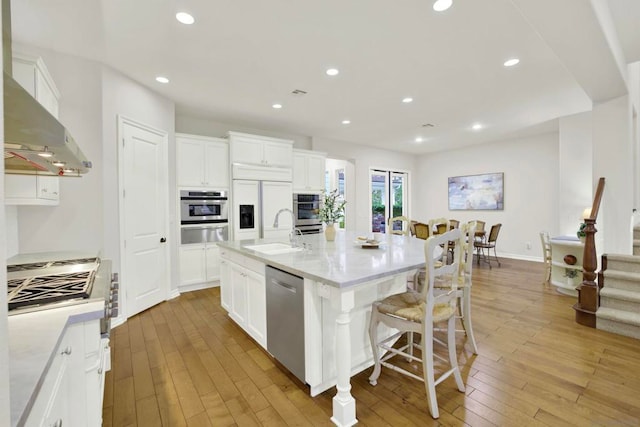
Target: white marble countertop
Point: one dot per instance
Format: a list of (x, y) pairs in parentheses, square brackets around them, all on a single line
[(343, 262), (49, 256), (33, 337)]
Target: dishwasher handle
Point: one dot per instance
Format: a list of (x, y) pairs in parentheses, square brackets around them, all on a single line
[(289, 288)]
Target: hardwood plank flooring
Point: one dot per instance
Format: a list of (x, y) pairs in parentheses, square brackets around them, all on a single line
[(185, 363)]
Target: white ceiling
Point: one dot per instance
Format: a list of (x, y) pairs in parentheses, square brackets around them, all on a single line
[(240, 57)]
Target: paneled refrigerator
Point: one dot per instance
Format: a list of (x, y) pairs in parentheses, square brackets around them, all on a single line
[(255, 204)]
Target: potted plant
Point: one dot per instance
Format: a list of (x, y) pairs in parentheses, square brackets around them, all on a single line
[(570, 274), (581, 234), (332, 211)]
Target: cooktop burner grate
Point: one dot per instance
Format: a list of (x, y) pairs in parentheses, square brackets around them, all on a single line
[(41, 265), (49, 288)]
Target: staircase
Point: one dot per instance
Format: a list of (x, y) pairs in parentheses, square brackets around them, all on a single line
[(619, 310)]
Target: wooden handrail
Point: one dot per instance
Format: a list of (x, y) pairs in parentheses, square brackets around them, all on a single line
[(597, 199), (588, 295)]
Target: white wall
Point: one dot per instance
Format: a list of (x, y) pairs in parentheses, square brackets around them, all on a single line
[(530, 167), (366, 158), (613, 159), (76, 224), (121, 95), (575, 170), (11, 226), (209, 127), (4, 333), (333, 165)]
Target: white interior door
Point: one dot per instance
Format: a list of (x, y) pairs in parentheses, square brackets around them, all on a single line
[(144, 213)]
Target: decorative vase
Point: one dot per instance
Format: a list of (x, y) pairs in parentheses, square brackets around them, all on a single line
[(330, 232)]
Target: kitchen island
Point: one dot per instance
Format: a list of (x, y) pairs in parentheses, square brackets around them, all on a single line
[(341, 281)]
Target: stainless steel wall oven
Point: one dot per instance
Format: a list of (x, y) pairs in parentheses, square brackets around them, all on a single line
[(204, 217), (199, 207), (306, 209)]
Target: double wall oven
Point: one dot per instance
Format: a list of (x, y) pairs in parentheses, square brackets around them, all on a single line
[(204, 216), (306, 210)]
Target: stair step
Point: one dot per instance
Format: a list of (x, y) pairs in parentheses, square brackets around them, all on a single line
[(620, 299), (616, 279), (618, 322), (621, 262)]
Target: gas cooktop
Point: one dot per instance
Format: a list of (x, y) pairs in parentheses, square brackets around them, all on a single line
[(40, 283)]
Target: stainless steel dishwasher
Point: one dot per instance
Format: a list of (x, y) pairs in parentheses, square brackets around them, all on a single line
[(285, 319)]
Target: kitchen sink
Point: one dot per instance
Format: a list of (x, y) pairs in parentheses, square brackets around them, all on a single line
[(273, 248)]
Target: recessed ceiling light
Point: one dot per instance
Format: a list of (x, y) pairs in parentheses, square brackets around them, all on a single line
[(346, 122), (407, 100), (476, 126), (419, 139), (58, 164), (333, 72), (277, 106), (442, 5), (185, 18), (161, 79), (511, 62)]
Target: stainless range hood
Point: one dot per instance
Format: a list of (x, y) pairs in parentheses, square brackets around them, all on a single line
[(30, 131)]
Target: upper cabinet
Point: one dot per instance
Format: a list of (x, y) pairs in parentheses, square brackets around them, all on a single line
[(260, 150), (308, 171), (31, 73), (202, 161)]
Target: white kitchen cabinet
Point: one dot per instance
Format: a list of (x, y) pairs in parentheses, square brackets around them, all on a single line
[(260, 150), (199, 263), (202, 161), (243, 295), (31, 73), (256, 306), (72, 390), (31, 190), (308, 171)]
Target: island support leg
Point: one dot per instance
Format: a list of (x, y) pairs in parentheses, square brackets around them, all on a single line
[(344, 405)]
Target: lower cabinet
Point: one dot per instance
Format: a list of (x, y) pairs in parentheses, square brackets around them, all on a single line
[(72, 390), (32, 190), (242, 294), (199, 264)]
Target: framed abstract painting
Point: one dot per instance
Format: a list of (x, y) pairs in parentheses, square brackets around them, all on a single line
[(477, 192)]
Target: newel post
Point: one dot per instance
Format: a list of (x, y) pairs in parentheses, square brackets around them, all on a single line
[(588, 298)]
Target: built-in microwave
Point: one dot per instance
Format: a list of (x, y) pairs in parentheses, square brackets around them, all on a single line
[(201, 207), (306, 211)]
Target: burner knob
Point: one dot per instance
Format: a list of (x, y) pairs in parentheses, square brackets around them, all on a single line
[(113, 297), (113, 312)]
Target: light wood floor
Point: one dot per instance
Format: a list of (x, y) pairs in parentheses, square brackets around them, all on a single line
[(184, 362)]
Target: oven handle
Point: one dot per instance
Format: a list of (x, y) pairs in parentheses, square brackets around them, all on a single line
[(205, 225)]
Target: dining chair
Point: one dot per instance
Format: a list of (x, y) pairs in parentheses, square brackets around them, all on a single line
[(464, 282), (454, 223), (420, 230), (440, 226), (487, 245), (546, 255), (405, 225), (418, 312)]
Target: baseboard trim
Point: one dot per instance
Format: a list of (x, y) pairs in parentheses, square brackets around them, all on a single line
[(197, 287)]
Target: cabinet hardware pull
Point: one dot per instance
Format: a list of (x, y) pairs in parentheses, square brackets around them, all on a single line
[(67, 351), (58, 423)]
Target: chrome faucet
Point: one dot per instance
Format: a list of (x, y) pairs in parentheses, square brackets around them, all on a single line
[(292, 234)]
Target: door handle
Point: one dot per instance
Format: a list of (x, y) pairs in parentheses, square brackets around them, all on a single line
[(163, 239)]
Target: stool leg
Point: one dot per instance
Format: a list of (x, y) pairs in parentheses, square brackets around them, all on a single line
[(373, 337)]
